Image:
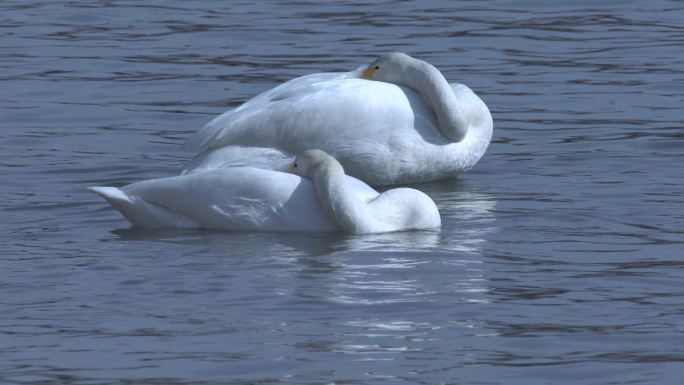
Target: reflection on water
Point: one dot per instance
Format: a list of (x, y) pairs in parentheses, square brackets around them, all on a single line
[(559, 258), (389, 278)]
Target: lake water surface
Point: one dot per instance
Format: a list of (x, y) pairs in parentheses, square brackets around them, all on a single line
[(559, 262)]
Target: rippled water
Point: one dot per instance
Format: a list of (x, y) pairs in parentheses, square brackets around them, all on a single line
[(560, 259)]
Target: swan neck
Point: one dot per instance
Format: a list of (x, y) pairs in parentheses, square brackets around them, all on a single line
[(435, 89), (337, 199)]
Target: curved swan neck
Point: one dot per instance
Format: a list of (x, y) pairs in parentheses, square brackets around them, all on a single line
[(338, 199), (435, 89)]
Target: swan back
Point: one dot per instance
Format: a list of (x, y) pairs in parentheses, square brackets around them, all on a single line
[(405, 209)]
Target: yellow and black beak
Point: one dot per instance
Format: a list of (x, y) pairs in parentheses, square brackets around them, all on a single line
[(368, 72)]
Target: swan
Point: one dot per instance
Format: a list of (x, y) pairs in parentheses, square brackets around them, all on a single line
[(310, 194), (394, 121)]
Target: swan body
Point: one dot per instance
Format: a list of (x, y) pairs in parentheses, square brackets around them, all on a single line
[(250, 198), (398, 121)]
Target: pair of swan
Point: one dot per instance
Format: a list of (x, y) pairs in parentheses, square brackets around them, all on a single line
[(396, 121)]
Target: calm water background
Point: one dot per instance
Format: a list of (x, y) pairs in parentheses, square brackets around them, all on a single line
[(560, 260)]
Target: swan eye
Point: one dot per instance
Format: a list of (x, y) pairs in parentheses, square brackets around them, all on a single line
[(376, 67)]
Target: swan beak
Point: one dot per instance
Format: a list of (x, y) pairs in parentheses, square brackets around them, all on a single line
[(368, 73)]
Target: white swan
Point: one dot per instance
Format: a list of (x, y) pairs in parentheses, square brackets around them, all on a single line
[(409, 126), (321, 198)]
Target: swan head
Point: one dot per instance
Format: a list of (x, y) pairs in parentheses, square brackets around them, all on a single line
[(391, 67), (309, 161)]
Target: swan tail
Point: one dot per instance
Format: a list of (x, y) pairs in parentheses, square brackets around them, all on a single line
[(140, 212)]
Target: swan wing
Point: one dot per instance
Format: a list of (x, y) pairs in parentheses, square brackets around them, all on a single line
[(291, 91), (334, 112), (238, 198), (235, 198)]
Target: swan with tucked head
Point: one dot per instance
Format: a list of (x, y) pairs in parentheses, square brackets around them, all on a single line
[(423, 77), (394, 210), (312, 195), (397, 120)]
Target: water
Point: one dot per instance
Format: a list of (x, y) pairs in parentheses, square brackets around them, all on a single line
[(560, 259)]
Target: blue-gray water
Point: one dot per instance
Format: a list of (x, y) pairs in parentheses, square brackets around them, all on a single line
[(560, 260)]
